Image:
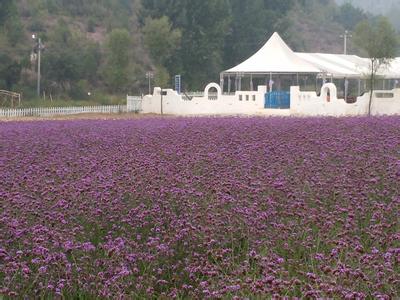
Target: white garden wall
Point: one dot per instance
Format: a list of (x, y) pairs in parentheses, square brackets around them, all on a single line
[(252, 103), (310, 104), (384, 105), (213, 104)]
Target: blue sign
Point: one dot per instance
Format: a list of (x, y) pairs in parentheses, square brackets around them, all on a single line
[(178, 83)]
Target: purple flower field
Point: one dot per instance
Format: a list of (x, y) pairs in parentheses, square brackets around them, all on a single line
[(200, 208)]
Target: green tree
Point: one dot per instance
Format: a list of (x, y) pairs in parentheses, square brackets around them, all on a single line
[(10, 71), (62, 35), (379, 40), (6, 7), (69, 60), (248, 17), (61, 68), (204, 26), (118, 59), (14, 30), (162, 77), (161, 39), (252, 23), (349, 16), (90, 59), (10, 21)]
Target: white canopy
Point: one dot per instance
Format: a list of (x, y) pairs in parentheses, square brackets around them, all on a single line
[(274, 57), (336, 65)]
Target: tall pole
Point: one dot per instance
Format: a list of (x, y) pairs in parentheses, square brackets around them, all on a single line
[(345, 36), (39, 62), (149, 76), (149, 85)]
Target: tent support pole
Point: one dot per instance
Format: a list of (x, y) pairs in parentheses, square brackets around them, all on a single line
[(236, 83), (270, 82)]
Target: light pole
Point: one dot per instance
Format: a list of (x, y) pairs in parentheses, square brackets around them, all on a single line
[(149, 76), (39, 50), (345, 36)]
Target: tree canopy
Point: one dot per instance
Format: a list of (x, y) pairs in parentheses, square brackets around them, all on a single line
[(109, 45), (379, 40)]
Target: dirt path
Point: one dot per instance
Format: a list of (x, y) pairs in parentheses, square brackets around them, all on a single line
[(89, 116)]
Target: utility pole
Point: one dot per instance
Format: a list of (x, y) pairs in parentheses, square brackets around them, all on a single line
[(149, 76), (345, 36), (39, 50), (39, 62)]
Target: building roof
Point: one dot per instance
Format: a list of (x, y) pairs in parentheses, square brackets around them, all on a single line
[(336, 65)]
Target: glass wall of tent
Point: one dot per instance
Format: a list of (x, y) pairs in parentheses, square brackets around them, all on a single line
[(231, 83), (347, 88), (306, 82), (351, 88)]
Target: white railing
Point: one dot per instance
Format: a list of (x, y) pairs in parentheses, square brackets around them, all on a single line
[(134, 103), (52, 111)]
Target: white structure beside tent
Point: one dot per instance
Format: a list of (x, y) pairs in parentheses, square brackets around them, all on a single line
[(277, 81)]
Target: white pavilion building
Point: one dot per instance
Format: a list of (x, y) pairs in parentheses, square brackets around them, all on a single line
[(278, 81), (278, 67)]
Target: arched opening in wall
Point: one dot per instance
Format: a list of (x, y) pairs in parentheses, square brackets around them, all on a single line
[(212, 93), (327, 92)]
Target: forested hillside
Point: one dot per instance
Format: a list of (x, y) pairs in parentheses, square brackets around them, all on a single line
[(389, 8), (109, 45), (373, 6)]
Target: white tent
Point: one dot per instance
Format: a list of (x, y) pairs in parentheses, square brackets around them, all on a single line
[(334, 65), (274, 57)]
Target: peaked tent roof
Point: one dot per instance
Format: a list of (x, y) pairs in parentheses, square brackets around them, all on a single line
[(274, 57)]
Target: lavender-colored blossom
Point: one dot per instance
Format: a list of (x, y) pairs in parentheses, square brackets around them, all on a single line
[(193, 208)]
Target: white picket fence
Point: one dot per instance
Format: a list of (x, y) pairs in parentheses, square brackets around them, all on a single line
[(52, 111)]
